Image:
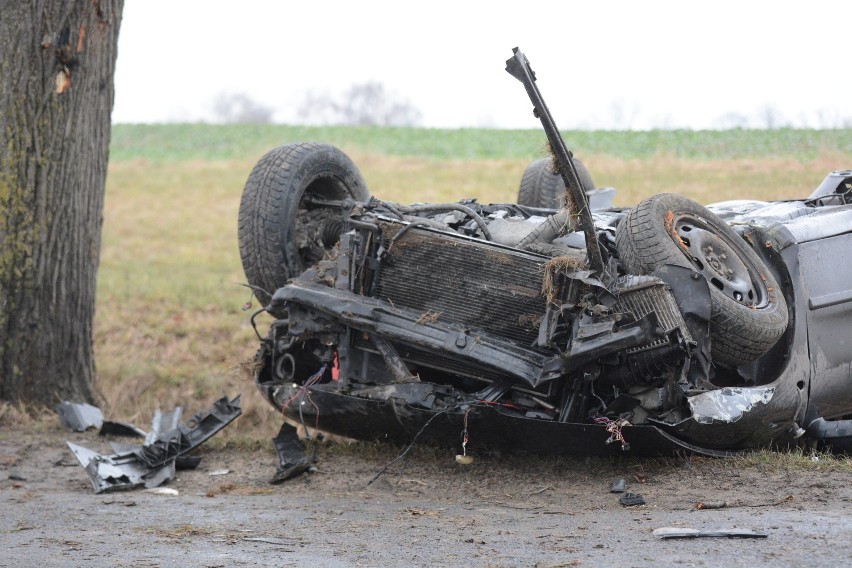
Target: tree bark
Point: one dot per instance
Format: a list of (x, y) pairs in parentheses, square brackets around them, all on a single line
[(57, 60)]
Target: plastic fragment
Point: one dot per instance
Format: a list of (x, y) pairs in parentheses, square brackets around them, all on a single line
[(162, 491), (292, 460), (681, 532), (631, 499), (79, 417)]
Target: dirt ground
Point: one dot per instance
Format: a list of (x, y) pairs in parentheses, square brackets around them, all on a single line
[(502, 510)]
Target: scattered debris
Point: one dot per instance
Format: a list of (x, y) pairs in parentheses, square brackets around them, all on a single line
[(680, 532), (721, 505), (268, 540), (618, 485), (163, 423), (155, 462), (182, 439), (292, 459), (119, 471), (702, 505), (631, 499), (79, 417), (117, 502), (216, 472), (464, 460), (162, 491), (16, 477)]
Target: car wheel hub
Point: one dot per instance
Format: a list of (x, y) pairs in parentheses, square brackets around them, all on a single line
[(718, 262)]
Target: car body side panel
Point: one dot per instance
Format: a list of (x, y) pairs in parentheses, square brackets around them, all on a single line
[(827, 275)]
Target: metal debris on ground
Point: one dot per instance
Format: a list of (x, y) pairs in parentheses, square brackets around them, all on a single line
[(163, 423), (163, 491), (154, 463), (618, 485), (292, 459), (119, 471), (680, 532), (78, 416), (631, 499), (182, 439)]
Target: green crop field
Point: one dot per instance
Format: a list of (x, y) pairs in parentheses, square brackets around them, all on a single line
[(171, 142), (170, 328)]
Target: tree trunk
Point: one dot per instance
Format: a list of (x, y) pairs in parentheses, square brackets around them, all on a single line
[(57, 59)]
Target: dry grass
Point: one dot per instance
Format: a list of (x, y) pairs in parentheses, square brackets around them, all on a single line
[(708, 181), (19, 414)]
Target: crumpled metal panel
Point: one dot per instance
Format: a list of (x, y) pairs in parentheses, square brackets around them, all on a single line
[(727, 404), (182, 439), (120, 471), (152, 464), (79, 417)]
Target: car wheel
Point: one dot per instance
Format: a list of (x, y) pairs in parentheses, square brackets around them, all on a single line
[(283, 228), (748, 311), (541, 187)]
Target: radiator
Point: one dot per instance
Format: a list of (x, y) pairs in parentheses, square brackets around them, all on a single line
[(481, 286)]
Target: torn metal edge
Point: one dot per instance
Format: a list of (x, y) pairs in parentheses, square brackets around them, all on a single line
[(127, 470)]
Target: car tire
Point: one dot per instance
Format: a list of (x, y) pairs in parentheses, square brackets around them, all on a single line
[(748, 311), (541, 187), (280, 233)]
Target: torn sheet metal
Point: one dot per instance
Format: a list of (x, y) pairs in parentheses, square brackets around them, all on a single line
[(126, 468), (163, 422), (79, 417), (181, 462), (119, 471), (292, 459), (631, 499), (182, 439), (727, 404)]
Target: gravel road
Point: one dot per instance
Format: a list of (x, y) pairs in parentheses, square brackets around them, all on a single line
[(500, 511)]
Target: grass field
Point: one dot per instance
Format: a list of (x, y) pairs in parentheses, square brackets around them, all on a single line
[(169, 324)]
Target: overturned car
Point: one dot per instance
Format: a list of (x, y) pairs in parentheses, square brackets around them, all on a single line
[(663, 327)]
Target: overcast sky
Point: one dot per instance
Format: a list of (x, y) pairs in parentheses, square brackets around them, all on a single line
[(606, 64)]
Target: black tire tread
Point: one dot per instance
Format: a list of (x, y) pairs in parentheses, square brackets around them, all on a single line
[(540, 187), (269, 202)]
